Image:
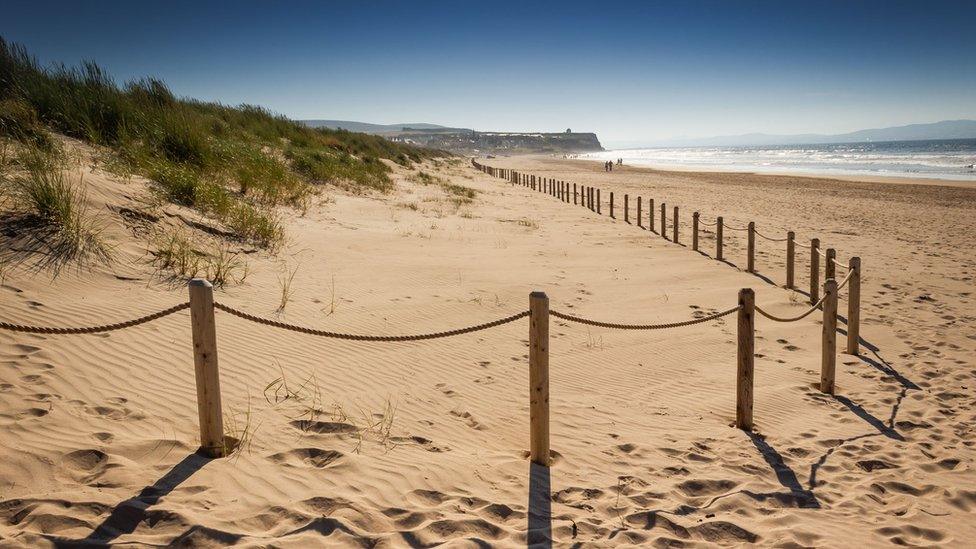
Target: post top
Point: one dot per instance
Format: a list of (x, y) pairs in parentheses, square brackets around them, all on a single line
[(746, 291), (201, 282), (537, 294)]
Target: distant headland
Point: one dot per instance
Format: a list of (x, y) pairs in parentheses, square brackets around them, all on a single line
[(468, 141)]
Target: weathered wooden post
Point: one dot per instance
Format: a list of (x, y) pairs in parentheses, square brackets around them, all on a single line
[(664, 221), (854, 306), (694, 231), (626, 208), (674, 225), (751, 248), (611, 205), (650, 215), (598, 201), (790, 259), (829, 359), (205, 365), (639, 221), (575, 194), (814, 270), (539, 378), (830, 266), (719, 228), (745, 359)]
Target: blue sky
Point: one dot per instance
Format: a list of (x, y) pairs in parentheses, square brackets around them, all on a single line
[(628, 71)]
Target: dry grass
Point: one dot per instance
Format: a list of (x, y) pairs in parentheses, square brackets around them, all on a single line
[(285, 280), (51, 207), (182, 258)]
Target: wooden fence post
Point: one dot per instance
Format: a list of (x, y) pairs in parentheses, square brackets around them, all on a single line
[(745, 359), (674, 225), (694, 231), (830, 267), (751, 248), (814, 270), (664, 221), (719, 228), (206, 367), (574, 194), (854, 306), (611, 205), (598, 201), (639, 212), (626, 208), (650, 215), (790, 258), (829, 360), (539, 378)]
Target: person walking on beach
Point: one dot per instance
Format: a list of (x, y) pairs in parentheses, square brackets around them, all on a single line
[(606, 166)]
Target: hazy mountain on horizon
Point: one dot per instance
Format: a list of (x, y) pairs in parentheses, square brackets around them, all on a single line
[(946, 129)]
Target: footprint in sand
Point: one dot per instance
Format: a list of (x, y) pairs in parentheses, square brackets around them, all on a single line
[(317, 458), (445, 389), (469, 420), (323, 427)]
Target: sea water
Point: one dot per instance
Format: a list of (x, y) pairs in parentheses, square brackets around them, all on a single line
[(938, 159)]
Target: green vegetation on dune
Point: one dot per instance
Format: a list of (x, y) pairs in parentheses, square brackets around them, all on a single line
[(232, 163)]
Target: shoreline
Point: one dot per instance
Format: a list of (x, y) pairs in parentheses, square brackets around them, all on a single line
[(692, 170)]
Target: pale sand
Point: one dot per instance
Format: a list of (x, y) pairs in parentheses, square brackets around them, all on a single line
[(97, 433)]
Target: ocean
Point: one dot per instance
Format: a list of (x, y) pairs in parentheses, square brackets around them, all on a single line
[(938, 159)]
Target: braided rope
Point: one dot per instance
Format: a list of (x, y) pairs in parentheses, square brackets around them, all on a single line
[(731, 228), (589, 322), (822, 252), (784, 239), (839, 264), (93, 329), (358, 337), (802, 245), (791, 319), (846, 280), (707, 224)]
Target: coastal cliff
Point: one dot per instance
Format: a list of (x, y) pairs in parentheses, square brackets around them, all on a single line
[(469, 141)]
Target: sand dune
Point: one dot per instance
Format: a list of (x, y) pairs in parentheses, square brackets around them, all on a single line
[(422, 443)]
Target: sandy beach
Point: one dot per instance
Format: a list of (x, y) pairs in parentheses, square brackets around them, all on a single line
[(414, 444)]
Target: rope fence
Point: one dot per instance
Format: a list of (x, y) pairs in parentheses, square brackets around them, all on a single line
[(93, 329), (360, 337), (202, 308), (589, 197)]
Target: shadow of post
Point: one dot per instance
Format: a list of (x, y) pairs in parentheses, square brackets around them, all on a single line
[(127, 515), (540, 507), (787, 477)]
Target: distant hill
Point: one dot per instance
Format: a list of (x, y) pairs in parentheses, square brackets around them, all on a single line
[(947, 129), (378, 129), (466, 141)]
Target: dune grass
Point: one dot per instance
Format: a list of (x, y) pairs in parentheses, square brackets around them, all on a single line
[(175, 253), (233, 163), (51, 205)]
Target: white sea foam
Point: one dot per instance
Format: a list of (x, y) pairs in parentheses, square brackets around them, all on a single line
[(922, 159)]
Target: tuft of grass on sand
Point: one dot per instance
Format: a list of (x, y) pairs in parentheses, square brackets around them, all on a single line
[(174, 253), (55, 204), (285, 280)]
